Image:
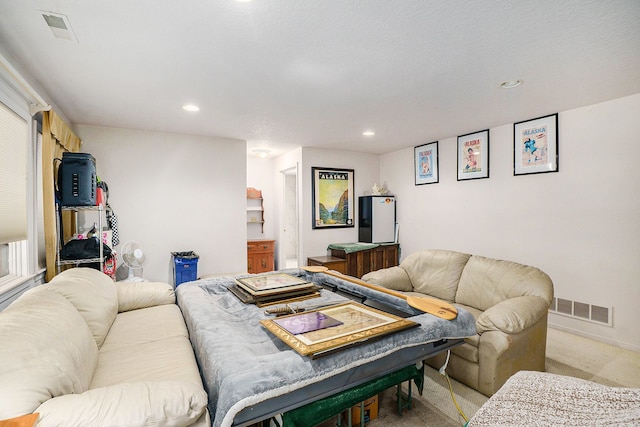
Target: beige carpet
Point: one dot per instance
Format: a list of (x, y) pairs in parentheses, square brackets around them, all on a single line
[(567, 354)]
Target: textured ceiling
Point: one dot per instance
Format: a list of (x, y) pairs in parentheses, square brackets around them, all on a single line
[(293, 73)]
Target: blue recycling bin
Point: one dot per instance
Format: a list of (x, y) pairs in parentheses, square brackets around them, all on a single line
[(185, 267)]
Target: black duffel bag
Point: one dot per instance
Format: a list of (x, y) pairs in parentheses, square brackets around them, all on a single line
[(84, 249)]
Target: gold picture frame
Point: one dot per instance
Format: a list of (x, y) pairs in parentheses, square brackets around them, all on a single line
[(358, 324), (266, 284)]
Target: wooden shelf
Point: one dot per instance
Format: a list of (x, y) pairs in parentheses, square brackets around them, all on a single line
[(255, 207)]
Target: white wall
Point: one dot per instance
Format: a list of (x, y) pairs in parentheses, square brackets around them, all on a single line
[(175, 193), (580, 225)]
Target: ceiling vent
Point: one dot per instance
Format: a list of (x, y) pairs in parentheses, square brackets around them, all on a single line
[(59, 25)]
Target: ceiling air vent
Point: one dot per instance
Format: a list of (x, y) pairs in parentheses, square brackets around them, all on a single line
[(59, 25)]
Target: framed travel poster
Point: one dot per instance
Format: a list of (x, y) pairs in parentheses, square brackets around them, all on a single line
[(535, 145), (332, 197), (473, 155), (425, 161)]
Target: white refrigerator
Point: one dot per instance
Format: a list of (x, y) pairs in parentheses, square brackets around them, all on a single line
[(377, 219)]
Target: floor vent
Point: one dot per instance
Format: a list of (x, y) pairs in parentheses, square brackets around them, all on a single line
[(582, 311)]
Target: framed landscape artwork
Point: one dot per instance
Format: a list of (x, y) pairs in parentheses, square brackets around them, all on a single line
[(332, 197), (535, 145), (320, 332), (473, 155), (425, 162)]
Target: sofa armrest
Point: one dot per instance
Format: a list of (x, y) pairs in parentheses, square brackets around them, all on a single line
[(157, 403), (513, 315), (394, 278), (136, 295)]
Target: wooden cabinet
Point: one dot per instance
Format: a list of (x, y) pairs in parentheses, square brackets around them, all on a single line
[(360, 263), (331, 262), (260, 256)]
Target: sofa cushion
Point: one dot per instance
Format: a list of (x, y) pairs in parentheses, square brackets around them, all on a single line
[(485, 282), (435, 272), (156, 403), (150, 324), (94, 296), (136, 295), (167, 359), (46, 350)]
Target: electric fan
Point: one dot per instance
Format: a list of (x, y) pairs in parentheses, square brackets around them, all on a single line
[(133, 258)]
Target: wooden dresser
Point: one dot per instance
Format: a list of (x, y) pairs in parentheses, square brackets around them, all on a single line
[(331, 262), (360, 262), (260, 256)]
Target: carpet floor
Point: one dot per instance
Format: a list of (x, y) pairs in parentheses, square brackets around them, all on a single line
[(567, 354)]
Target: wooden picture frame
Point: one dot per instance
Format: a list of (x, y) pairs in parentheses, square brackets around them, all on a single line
[(535, 145), (333, 205), (473, 155), (357, 325), (425, 163)]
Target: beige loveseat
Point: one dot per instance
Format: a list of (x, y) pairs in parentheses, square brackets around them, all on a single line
[(85, 351), (510, 302)]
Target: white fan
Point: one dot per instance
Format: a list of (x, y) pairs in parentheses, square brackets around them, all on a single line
[(133, 258)]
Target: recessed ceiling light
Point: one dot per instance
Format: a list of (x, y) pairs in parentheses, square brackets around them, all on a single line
[(509, 84), (368, 133), (191, 108), (261, 152)]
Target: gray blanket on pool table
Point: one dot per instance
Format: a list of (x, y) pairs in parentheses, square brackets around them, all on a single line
[(242, 364)]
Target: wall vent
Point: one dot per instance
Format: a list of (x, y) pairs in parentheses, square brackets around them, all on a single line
[(582, 311)]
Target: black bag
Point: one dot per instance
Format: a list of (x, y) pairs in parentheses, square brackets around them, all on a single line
[(83, 249)]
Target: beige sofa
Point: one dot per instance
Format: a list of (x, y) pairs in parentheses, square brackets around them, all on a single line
[(510, 302), (85, 351)]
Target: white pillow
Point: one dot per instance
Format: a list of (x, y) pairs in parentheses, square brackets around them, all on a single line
[(138, 404)]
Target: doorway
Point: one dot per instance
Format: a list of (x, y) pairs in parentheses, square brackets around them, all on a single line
[(289, 229)]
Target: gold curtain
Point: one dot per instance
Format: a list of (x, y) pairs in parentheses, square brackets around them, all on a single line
[(56, 139)]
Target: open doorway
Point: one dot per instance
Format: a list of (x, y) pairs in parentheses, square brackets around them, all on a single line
[(289, 229)]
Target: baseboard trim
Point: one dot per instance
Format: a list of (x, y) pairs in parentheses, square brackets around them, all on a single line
[(594, 337)]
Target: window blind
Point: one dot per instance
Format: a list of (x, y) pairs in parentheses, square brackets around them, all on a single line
[(13, 176)]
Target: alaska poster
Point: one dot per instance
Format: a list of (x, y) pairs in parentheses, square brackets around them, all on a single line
[(535, 145), (535, 149), (333, 198), (472, 156), (426, 163)]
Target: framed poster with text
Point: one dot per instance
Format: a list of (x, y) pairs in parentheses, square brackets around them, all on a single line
[(473, 155), (535, 145), (425, 161), (332, 197)]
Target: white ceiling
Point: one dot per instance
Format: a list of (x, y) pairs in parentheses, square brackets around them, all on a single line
[(289, 73)]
